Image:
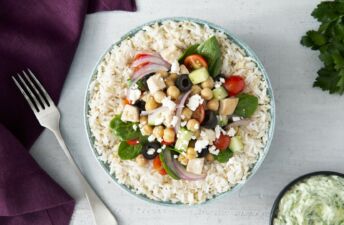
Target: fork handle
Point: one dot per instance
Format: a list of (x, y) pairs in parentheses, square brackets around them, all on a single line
[(101, 213)]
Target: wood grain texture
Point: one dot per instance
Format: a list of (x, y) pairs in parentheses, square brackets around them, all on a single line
[(309, 128)]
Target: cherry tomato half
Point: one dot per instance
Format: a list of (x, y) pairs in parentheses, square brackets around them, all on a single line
[(157, 165), (133, 142), (234, 85), (222, 142), (193, 62), (199, 113)]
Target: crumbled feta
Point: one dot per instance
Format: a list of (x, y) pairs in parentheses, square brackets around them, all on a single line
[(174, 121), (213, 150), (218, 84), (194, 102), (219, 131), (195, 166), (135, 127), (231, 132), (130, 113), (222, 80), (151, 138), (167, 102), (183, 124), (134, 95), (208, 134), (150, 151), (200, 144), (159, 150), (193, 137), (175, 156), (163, 146), (159, 139), (175, 68), (155, 83), (236, 118)]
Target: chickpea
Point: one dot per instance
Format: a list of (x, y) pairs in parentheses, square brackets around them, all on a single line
[(193, 125), (183, 159), (197, 133), (143, 120), (209, 157), (170, 80), (158, 131), (195, 89), (141, 161), (146, 130), (173, 91), (151, 103), (207, 94), (159, 96), (209, 83), (169, 135), (163, 73), (213, 104), (187, 113)]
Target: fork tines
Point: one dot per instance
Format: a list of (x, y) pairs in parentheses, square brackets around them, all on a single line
[(33, 91)]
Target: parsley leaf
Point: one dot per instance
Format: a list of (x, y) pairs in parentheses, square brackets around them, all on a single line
[(124, 130), (224, 156), (126, 151), (329, 40)]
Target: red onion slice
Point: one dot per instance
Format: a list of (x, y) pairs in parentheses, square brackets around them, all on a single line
[(244, 122), (180, 107), (182, 173), (162, 108), (150, 59), (147, 69)]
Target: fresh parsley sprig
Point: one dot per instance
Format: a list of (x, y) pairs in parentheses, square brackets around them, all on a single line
[(329, 40)]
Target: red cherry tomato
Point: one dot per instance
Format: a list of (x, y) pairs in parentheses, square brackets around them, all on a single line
[(222, 142), (195, 61), (157, 165), (234, 85), (199, 113), (133, 142)]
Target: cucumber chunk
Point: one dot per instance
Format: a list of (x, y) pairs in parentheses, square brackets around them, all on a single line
[(166, 159), (220, 93), (199, 75), (222, 120), (236, 144), (184, 137)]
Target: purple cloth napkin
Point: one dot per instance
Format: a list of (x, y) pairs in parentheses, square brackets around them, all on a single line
[(41, 35)]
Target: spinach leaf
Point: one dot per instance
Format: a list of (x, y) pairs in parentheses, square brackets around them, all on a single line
[(224, 156), (210, 50), (247, 105), (189, 51), (124, 130), (126, 151)]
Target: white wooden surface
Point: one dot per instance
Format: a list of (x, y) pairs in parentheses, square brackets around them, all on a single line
[(309, 129)]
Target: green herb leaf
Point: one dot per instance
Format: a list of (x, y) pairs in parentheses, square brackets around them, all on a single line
[(126, 151), (224, 156), (210, 50), (189, 51), (328, 39), (247, 105), (124, 130)]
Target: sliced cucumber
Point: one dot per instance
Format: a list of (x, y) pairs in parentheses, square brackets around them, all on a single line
[(199, 75), (236, 144), (166, 159), (222, 120), (220, 93), (184, 137)]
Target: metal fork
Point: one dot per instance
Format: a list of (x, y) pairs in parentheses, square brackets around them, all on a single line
[(49, 116)]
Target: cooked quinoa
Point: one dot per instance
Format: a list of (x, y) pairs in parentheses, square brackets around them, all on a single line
[(109, 86)]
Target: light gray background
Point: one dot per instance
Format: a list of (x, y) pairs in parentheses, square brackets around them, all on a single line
[(309, 133)]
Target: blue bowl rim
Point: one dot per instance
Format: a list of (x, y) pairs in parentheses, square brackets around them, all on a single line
[(248, 51)]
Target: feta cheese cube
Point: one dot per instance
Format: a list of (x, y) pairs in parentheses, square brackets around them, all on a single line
[(200, 144), (194, 102), (167, 102), (130, 113), (134, 95), (155, 83), (195, 166), (231, 132)]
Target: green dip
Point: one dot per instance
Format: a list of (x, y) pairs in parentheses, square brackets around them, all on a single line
[(313, 201)]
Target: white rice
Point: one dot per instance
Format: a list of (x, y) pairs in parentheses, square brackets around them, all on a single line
[(106, 91)]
